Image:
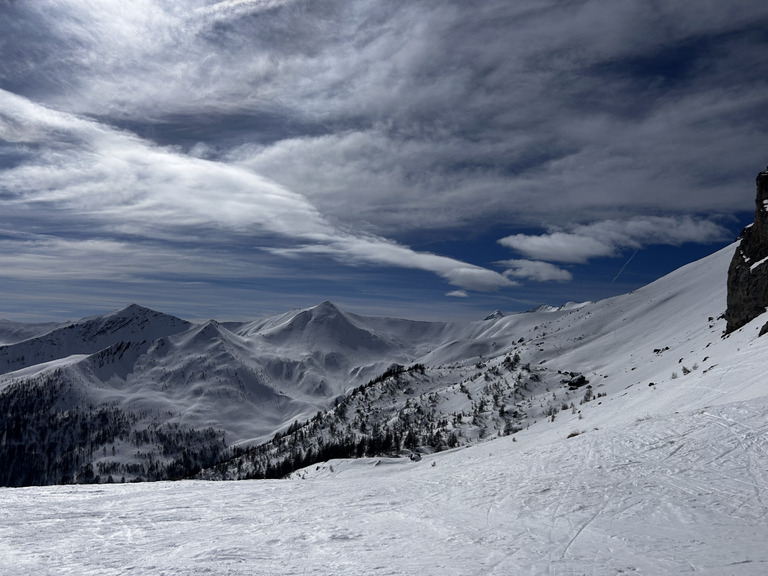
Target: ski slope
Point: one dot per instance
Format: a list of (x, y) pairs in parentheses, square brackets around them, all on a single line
[(672, 495)]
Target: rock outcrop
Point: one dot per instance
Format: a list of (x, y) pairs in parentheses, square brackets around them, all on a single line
[(748, 272), (495, 315)]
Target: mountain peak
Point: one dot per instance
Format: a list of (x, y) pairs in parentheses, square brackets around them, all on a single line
[(543, 308), (326, 307), (131, 310), (205, 332), (495, 315)]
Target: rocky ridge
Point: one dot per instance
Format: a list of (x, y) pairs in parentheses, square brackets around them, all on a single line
[(748, 272)]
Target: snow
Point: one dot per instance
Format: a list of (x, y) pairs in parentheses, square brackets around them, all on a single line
[(665, 475), (36, 369), (663, 495), (249, 381), (756, 264), (88, 336), (12, 332)]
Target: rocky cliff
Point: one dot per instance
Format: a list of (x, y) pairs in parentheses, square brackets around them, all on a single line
[(748, 272)]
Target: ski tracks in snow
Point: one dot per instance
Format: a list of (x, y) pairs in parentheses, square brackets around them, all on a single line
[(663, 496), (658, 498)]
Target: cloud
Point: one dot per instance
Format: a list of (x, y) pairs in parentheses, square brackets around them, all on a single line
[(458, 294), (120, 182), (230, 8), (110, 182), (367, 250), (609, 237), (354, 129), (536, 271), (559, 246), (495, 113)]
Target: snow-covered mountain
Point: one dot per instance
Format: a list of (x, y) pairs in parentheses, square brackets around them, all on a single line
[(661, 471), (136, 370), (502, 376), (133, 323), (12, 332), (332, 383)]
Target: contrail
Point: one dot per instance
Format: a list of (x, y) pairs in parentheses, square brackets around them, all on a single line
[(625, 265)]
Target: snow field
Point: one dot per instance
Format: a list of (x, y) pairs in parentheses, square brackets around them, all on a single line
[(673, 494)]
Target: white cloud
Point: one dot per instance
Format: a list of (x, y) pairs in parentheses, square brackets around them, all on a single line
[(558, 246), (495, 113), (112, 181), (88, 168), (367, 249), (231, 8), (534, 270), (345, 127), (458, 294), (608, 238)]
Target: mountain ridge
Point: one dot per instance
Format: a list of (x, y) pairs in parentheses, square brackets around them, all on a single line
[(321, 382), (89, 335)]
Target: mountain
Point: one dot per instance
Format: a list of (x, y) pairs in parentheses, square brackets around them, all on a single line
[(495, 315), (658, 468), (136, 394), (12, 332), (326, 341), (488, 379), (136, 378), (90, 335)]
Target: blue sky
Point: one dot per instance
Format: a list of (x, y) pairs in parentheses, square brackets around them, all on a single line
[(418, 159)]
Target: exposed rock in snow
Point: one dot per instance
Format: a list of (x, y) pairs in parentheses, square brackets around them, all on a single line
[(544, 308), (566, 306), (748, 272), (495, 315)]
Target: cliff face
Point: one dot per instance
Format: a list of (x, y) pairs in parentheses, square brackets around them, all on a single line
[(748, 273)]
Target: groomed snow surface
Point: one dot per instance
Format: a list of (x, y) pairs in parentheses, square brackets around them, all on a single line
[(657, 479)]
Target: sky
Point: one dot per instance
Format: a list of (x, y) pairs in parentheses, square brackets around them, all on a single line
[(420, 159)]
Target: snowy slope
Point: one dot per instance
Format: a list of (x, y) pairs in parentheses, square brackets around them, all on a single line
[(500, 376), (205, 376), (661, 473), (344, 348), (131, 374), (248, 379), (133, 323), (12, 332), (669, 495), (477, 381)]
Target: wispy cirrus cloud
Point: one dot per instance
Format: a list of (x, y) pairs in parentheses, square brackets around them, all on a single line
[(111, 182), (361, 250), (495, 112)]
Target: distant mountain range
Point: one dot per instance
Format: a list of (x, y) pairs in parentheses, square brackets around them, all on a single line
[(140, 395)]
